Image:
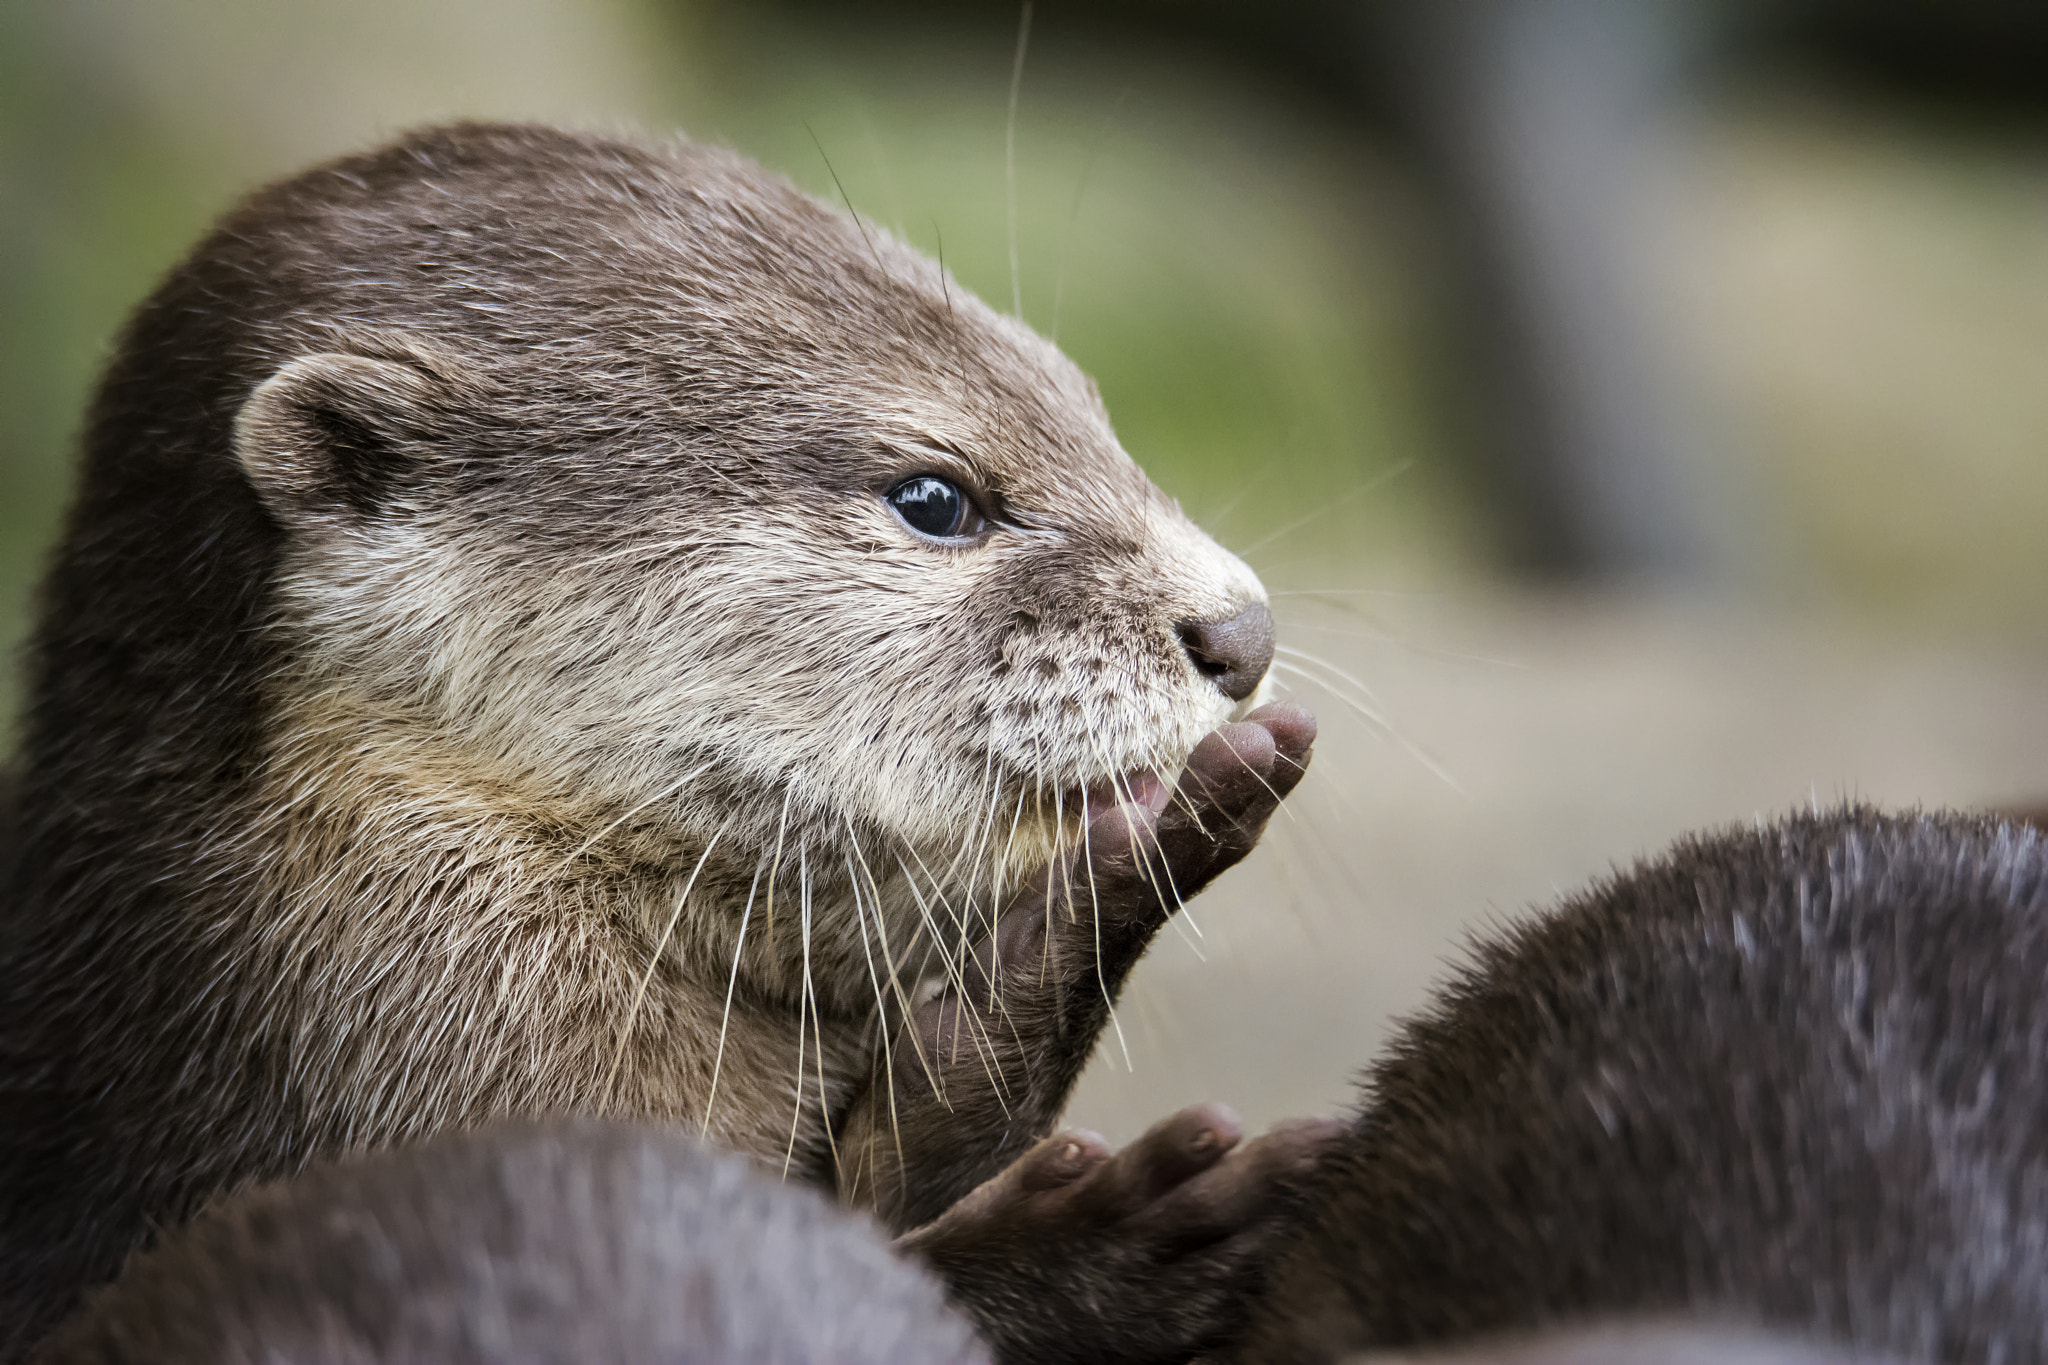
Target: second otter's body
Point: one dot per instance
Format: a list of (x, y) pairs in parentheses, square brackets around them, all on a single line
[(1792, 1078), (575, 1244)]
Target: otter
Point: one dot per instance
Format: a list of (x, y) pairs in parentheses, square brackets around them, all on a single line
[(553, 625), (579, 1243), (1786, 1079)]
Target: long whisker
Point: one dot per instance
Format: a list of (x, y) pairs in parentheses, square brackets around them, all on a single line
[(957, 976), (1372, 717), (803, 1000), (960, 870), (976, 854), (844, 198), (1374, 634), (664, 794), (956, 967), (1182, 922), (731, 983), (1059, 285), (1057, 862), (1061, 870), (945, 281), (996, 1003), (966, 856), (881, 1011), (1213, 518), (954, 972), (1320, 662), (969, 1023), (995, 894), (1359, 699), (654, 959), (817, 1023), (1182, 918), (775, 864), (895, 978), (1380, 633), (1010, 156), (1350, 495), (1095, 902), (946, 290), (1248, 767), (1366, 712)]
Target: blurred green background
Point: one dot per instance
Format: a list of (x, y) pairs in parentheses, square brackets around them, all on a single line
[(1832, 288), (1850, 289)]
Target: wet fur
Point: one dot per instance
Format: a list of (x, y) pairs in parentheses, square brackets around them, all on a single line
[(479, 547), (1788, 1077)]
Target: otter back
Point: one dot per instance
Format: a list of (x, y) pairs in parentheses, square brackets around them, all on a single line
[(576, 1244), (1790, 1076)]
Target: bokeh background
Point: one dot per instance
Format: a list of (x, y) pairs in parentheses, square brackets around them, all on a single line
[(1639, 408)]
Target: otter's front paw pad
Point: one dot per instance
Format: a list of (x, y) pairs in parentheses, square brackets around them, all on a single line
[(1074, 1254)]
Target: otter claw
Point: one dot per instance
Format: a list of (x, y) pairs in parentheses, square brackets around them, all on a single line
[(1166, 1230)]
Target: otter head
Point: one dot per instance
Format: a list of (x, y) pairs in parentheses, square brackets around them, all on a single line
[(639, 480)]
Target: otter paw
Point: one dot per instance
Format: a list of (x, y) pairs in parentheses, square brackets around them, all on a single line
[(1087, 921), (987, 1062), (1073, 1253)]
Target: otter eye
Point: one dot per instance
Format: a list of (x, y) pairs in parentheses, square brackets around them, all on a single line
[(934, 507)]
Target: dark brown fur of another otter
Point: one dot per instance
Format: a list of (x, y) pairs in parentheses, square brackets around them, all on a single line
[(1792, 1078), (483, 676)]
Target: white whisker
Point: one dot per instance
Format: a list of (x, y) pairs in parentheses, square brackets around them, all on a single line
[(1351, 494), (775, 864), (881, 1009), (666, 793), (810, 990), (1378, 722), (1095, 902), (1059, 284), (803, 1000), (653, 960), (731, 983)]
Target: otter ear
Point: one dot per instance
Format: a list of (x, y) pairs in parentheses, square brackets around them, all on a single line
[(339, 437)]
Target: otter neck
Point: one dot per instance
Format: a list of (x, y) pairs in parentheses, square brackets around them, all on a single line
[(449, 928)]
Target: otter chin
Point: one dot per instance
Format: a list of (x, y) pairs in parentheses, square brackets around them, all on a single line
[(554, 625)]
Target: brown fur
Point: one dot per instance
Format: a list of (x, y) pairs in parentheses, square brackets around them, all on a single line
[(481, 677)]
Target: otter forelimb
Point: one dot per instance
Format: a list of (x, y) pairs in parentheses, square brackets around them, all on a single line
[(1055, 1224)]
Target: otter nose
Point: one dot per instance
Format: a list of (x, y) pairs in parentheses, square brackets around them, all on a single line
[(1233, 654)]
